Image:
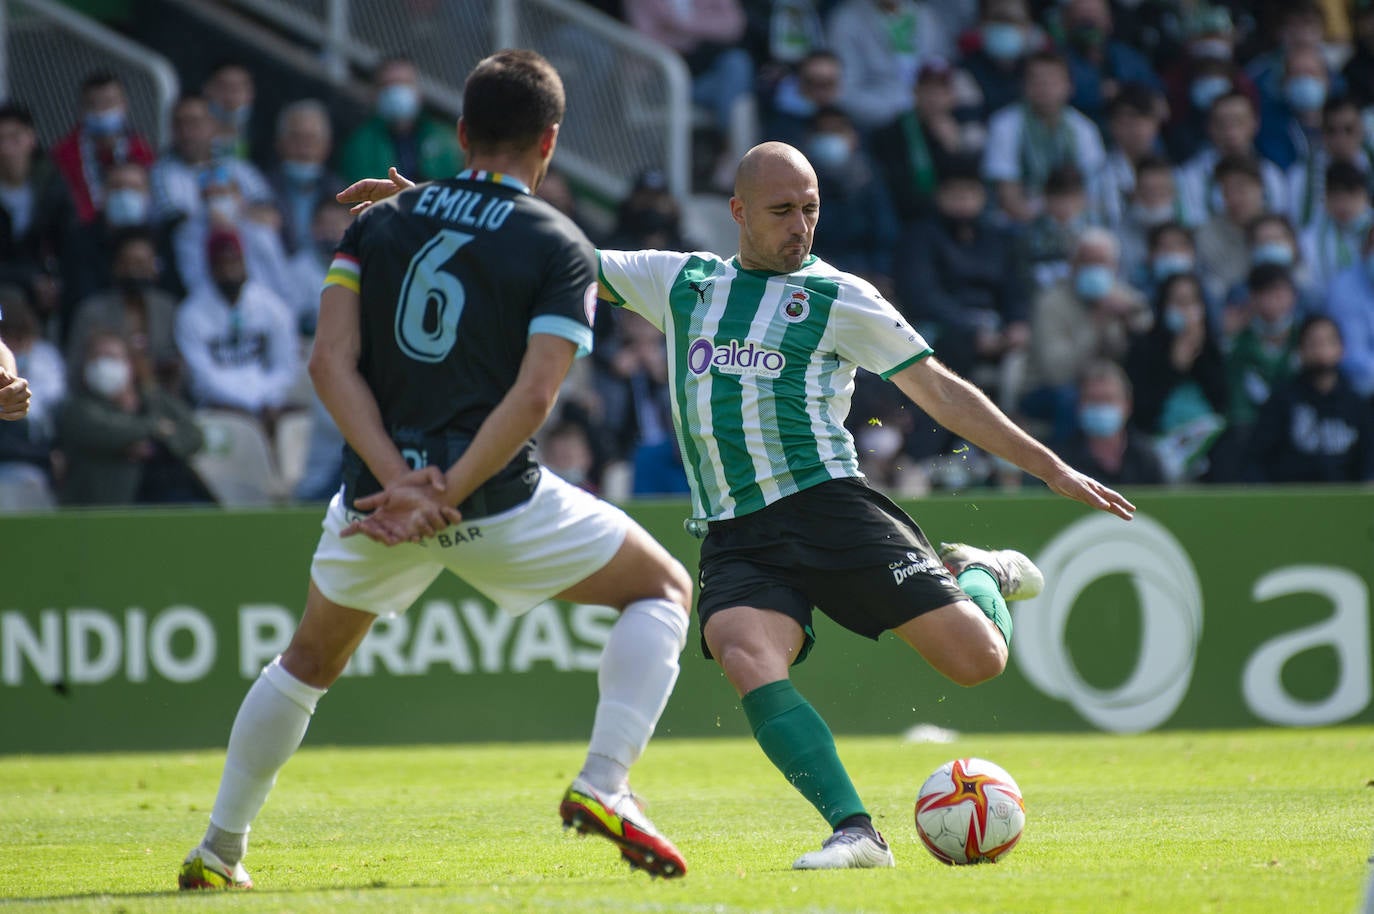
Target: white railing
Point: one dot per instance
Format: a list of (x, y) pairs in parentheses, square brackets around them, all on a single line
[(48, 49), (629, 103)]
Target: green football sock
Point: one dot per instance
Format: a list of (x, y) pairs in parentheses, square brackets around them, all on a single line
[(982, 589), (797, 741)]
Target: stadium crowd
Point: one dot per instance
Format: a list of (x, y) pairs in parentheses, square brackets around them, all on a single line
[(1143, 227)]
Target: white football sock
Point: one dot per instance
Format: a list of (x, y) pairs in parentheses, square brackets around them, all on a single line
[(639, 666), (268, 729)]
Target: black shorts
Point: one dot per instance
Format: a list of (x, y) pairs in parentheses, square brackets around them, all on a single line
[(840, 547)]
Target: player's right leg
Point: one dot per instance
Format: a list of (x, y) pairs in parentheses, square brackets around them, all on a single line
[(269, 728), (639, 666), (755, 648)]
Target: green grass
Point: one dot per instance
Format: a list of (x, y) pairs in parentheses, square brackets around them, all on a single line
[(1255, 821)]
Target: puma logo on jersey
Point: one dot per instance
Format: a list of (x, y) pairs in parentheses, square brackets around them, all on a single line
[(700, 288)]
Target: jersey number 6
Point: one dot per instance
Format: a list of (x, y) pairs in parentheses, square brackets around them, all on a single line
[(431, 300)]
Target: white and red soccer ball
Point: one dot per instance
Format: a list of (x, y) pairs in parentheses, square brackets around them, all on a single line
[(970, 811)]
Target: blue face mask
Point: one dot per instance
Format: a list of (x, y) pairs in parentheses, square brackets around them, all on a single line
[(1101, 420), (104, 123), (1166, 265), (828, 150), (1305, 93), (1093, 281), (125, 207), (1208, 89), (1003, 41), (298, 172), (398, 103), (1272, 252), (236, 118), (1175, 320)]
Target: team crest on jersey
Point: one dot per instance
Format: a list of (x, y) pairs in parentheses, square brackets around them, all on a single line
[(797, 307)]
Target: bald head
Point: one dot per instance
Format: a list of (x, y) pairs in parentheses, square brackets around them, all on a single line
[(768, 164), (776, 205)]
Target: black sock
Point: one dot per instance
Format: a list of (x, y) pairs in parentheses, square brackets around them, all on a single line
[(859, 820)]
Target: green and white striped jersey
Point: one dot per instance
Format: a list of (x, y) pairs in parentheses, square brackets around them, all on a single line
[(762, 367)]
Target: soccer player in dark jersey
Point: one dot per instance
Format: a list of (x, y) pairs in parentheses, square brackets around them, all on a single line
[(449, 319)]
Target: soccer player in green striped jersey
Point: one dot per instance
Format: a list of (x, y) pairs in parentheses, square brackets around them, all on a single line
[(762, 351)]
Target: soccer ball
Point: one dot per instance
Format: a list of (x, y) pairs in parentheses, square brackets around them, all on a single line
[(970, 811)]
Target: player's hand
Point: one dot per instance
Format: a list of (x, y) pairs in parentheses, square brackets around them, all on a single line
[(368, 191), (1080, 487), (14, 396), (406, 511)]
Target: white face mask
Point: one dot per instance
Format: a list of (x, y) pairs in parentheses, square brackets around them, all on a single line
[(107, 375)]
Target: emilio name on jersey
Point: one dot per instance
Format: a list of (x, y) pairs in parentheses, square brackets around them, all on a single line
[(463, 207)]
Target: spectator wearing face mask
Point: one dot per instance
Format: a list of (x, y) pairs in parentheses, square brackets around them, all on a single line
[(128, 206), (179, 174), (996, 51), (1293, 25), (1179, 378), (257, 228), (231, 92), (1350, 303), (1315, 427), (566, 451), (1271, 240), (860, 227), (302, 178), (1104, 443), (26, 463), (1333, 241), (815, 84), (237, 338), (134, 307), (1203, 73), (1231, 128), (1153, 203), (1290, 127), (125, 443), (1088, 315), (1169, 251), (102, 138), (400, 133)]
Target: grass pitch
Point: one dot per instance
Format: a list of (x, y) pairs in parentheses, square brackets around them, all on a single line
[(1255, 821)]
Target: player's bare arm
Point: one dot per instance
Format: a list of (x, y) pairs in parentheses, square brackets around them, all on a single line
[(514, 421), (14, 390), (334, 371), (965, 410)]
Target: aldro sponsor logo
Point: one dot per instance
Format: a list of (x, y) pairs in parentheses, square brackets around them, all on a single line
[(734, 357)]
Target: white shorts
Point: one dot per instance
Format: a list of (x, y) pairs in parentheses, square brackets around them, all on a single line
[(518, 558)]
